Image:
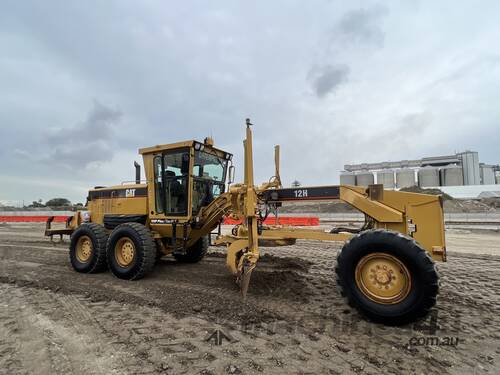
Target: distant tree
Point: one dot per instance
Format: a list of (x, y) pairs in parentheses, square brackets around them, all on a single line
[(58, 202), (36, 204), (295, 183)]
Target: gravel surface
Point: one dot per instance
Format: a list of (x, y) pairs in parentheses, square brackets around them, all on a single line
[(56, 321)]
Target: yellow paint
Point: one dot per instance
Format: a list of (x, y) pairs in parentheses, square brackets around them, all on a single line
[(383, 278)]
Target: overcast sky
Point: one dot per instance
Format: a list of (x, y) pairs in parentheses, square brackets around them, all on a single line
[(83, 85)]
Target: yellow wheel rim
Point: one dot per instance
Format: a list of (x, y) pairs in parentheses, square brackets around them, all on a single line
[(84, 249), (383, 278), (124, 252)]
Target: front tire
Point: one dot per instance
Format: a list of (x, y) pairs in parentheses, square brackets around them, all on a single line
[(131, 251), (387, 276), (87, 249)]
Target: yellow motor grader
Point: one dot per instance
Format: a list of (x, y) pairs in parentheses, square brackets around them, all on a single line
[(385, 268)]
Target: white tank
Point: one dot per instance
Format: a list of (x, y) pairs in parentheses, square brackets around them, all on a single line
[(364, 178), (386, 177), (487, 175), (497, 178), (451, 175), (405, 178), (428, 177), (347, 178), (470, 168)]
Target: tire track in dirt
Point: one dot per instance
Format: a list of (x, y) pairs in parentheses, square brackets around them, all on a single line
[(286, 325)]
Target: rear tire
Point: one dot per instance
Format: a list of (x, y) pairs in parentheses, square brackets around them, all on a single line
[(131, 251), (387, 276), (87, 249), (195, 253)]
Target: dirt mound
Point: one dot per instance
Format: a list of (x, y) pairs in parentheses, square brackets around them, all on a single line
[(317, 207), (278, 262), (467, 206), (493, 202), (284, 284), (416, 189), (452, 205)]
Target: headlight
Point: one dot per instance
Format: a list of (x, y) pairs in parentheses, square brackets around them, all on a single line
[(197, 146), (85, 216)]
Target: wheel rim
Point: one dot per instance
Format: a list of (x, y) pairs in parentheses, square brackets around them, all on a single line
[(124, 252), (383, 278), (84, 249)]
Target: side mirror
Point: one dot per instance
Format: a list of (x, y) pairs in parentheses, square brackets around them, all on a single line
[(231, 174)]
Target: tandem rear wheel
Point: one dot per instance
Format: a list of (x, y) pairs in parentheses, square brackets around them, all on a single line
[(387, 276), (87, 249), (130, 251), (194, 253)]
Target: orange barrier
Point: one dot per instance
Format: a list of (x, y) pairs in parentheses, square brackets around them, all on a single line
[(31, 219), (299, 221)]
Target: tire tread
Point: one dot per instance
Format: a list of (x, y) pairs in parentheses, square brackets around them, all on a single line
[(147, 261), (427, 274), (99, 249)]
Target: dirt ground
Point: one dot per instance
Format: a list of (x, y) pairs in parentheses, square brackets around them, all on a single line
[(56, 321)]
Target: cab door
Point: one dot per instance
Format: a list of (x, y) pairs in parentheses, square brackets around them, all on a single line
[(172, 180)]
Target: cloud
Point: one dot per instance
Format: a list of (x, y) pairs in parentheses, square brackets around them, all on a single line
[(328, 78), (403, 136), (87, 142), (414, 124), (356, 27), (362, 26), (180, 71)]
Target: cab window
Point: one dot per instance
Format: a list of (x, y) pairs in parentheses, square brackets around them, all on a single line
[(171, 182), (159, 190), (209, 174), (175, 178)]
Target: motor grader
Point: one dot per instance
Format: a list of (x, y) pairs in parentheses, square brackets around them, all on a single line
[(385, 268)]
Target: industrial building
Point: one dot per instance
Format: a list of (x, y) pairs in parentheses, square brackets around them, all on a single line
[(461, 169)]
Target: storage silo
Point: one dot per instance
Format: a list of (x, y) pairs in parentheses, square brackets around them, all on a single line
[(470, 168), (497, 179), (487, 175), (347, 178), (386, 177), (428, 177), (452, 175), (364, 178), (405, 178)]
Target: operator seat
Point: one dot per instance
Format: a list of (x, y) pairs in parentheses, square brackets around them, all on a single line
[(175, 189)]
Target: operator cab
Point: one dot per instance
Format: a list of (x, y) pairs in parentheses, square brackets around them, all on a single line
[(187, 176)]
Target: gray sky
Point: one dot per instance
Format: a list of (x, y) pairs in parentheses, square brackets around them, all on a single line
[(83, 86)]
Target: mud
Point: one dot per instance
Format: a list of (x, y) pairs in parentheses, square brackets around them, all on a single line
[(53, 320)]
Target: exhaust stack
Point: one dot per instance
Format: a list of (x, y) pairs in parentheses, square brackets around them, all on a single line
[(137, 172)]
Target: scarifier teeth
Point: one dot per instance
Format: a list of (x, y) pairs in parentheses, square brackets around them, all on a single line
[(245, 281)]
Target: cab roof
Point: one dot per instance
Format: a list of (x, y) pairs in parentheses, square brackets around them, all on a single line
[(172, 146)]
